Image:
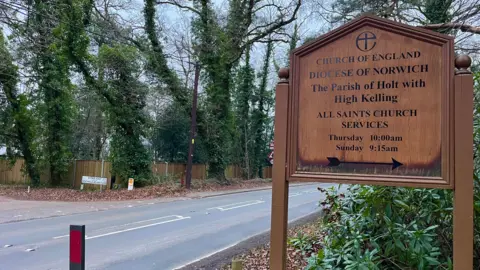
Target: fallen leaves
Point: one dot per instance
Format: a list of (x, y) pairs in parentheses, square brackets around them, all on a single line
[(259, 258), (150, 192)]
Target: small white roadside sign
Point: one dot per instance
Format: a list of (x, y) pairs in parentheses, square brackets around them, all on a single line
[(130, 183), (94, 180)]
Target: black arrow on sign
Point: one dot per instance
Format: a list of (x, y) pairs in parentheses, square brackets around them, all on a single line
[(335, 162)]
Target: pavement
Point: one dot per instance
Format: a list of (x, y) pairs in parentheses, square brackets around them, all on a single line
[(154, 234), (18, 210)]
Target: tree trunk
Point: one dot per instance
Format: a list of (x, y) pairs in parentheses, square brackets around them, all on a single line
[(21, 115), (247, 160)]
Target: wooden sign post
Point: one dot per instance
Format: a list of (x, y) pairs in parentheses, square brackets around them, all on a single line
[(376, 102)]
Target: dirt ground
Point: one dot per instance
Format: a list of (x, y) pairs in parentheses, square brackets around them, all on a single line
[(164, 190)]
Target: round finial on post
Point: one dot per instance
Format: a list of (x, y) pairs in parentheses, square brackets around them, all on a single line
[(462, 63), (283, 74)]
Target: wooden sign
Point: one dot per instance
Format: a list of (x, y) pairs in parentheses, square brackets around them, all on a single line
[(371, 102), (376, 102)]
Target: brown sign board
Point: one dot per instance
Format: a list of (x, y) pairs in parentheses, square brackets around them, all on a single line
[(376, 102), (372, 102)]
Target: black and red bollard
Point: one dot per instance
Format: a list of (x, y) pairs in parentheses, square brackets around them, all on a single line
[(77, 247)]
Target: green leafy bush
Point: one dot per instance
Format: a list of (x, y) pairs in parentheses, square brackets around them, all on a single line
[(386, 228), (304, 243)]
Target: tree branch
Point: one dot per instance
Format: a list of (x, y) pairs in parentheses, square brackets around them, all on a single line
[(462, 27), (274, 27), (175, 3), (113, 26), (273, 40)]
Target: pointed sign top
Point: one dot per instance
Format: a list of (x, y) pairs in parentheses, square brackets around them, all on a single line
[(375, 22)]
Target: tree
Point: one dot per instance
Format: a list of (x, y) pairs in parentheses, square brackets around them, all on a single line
[(243, 97), (119, 87), (126, 114), (293, 42), (218, 46), (17, 118), (91, 133), (262, 99), (157, 62), (171, 137), (51, 65), (86, 71)]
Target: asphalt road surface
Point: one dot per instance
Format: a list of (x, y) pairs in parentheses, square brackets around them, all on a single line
[(157, 236)]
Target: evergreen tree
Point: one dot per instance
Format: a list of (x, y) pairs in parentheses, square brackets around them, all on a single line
[(51, 66), (18, 123), (171, 136), (126, 114), (243, 100), (212, 52), (438, 12), (260, 116), (219, 47)]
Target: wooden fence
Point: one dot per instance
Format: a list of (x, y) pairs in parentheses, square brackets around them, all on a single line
[(14, 173)]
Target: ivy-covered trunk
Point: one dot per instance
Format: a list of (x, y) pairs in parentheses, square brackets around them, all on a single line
[(129, 122), (220, 124), (58, 115), (22, 130), (243, 97), (260, 116), (52, 69)]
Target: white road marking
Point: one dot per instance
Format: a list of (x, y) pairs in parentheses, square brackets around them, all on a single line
[(311, 191), (178, 218), (7, 246), (63, 236), (29, 249), (236, 205), (294, 195), (147, 220)]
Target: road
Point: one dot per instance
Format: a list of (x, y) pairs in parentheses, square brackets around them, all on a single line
[(155, 236)]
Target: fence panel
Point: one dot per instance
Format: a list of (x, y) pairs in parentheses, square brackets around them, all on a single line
[(199, 171), (233, 171), (15, 174), (160, 168), (91, 168), (267, 172), (77, 169), (12, 174)]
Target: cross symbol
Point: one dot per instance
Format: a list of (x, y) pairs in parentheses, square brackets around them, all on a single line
[(365, 36)]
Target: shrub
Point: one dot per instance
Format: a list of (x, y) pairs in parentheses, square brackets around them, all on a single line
[(371, 227)]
